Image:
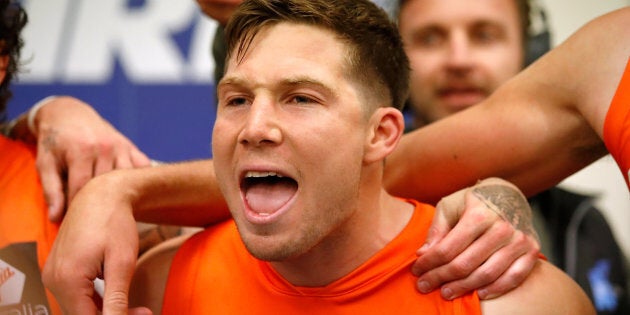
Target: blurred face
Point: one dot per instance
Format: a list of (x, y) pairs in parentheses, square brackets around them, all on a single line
[(460, 51), (288, 141)]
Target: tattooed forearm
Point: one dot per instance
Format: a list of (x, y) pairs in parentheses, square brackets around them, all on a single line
[(509, 204)]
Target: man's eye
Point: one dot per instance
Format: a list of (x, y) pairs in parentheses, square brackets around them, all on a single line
[(487, 36), (301, 99), (237, 101), (428, 39), (484, 37)]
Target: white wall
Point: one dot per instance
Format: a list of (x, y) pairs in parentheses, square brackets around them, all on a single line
[(603, 177)]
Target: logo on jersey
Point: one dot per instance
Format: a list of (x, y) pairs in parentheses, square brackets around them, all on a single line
[(11, 284), (21, 289)]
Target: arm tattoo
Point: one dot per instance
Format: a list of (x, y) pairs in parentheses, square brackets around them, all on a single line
[(508, 204)]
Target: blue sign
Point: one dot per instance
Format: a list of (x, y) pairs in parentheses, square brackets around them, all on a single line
[(145, 66)]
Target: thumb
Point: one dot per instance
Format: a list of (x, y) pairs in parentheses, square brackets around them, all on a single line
[(116, 297), (447, 214), (438, 229), (140, 311)]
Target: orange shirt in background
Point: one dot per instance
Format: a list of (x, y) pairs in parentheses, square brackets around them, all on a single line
[(26, 234)]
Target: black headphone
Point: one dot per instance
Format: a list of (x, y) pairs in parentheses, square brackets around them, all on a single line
[(538, 35)]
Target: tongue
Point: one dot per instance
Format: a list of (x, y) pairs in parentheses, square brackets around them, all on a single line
[(268, 198)]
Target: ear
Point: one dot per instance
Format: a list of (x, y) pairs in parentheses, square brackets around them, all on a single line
[(386, 127)]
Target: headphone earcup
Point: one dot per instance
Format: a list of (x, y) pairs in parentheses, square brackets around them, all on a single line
[(539, 38), (537, 46)]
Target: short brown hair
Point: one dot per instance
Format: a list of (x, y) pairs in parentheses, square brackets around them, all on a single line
[(376, 55)]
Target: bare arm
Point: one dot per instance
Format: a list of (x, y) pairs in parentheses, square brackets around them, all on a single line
[(99, 230), (540, 127), (555, 108), (180, 194)]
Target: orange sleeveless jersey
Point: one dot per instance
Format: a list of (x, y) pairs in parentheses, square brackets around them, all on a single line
[(617, 125), (212, 273), (23, 218)]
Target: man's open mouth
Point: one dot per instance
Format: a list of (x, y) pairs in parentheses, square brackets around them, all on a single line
[(266, 192)]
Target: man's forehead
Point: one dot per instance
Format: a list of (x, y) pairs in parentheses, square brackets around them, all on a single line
[(286, 42), (436, 12), (289, 54)]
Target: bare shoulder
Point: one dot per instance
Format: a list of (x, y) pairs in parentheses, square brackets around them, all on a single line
[(149, 280), (547, 290)]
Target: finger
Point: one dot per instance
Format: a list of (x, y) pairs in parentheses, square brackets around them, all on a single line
[(513, 277), (467, 230), (132, 158), (437, 231), (466, 262), (447, 213), (440, 226), (140, 311), (117, 275), (78, 300), (123, 161), (51, 176), (139, 159), (80, 171), (490, 271), (82, 303), (104, 160)]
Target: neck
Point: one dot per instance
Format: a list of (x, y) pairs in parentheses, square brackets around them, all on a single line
[(371, 228)]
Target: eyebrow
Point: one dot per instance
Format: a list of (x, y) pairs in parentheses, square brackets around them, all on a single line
[(490, 23), (306, 81), (231, 81), (477, 22), (288, 82)]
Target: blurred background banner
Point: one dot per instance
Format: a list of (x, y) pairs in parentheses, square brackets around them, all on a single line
[(144, 65)]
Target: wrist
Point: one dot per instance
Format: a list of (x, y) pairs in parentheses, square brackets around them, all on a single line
[(32, 114), (117, 185)]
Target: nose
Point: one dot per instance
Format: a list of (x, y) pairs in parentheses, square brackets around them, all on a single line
[(459, 54), (261, 125)]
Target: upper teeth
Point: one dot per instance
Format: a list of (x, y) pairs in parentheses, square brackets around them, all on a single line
[(261, 174)]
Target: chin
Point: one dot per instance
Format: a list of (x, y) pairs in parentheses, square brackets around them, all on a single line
[(271, 250), (266, 246)]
